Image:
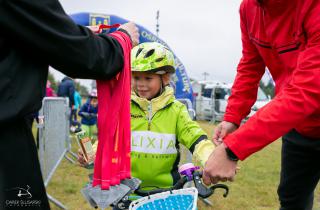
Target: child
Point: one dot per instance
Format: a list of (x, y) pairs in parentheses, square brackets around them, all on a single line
[(76, 126), (88, 112), (158, 121)]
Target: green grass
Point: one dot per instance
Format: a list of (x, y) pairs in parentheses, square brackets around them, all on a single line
[(253, 189)]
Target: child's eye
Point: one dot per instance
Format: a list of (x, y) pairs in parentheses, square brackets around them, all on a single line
[(136, 78), (148, 78)]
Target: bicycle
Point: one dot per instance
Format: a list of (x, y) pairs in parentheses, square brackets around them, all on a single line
[(176, 197)]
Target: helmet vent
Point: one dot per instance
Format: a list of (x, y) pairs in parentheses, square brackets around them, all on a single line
[(149, 53), (159, 59), (139, 51)]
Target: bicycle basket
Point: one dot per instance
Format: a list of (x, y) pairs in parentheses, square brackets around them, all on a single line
[(183, 199)]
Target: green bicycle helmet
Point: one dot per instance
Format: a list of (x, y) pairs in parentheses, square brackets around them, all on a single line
[(152, 57)]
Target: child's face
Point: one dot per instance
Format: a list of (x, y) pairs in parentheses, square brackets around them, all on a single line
[(146, 85), (94, 102)]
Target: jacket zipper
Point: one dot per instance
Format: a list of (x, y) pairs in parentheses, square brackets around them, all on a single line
[(149, 115), (149, 109), (260, 44)]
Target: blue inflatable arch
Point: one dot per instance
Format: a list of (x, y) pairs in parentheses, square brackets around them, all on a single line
[(183, 88)]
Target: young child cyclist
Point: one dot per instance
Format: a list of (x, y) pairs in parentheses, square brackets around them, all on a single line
[(88, 113), (158, 121)]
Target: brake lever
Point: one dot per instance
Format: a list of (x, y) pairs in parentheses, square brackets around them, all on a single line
[(205, 192)]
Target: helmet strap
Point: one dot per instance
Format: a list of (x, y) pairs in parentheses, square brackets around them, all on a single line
[(162, 85)]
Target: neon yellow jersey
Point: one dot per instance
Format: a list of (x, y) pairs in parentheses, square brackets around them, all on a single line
[(158, 126)]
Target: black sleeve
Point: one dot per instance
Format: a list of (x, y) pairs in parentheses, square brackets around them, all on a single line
[(43, 26), (193, 146)]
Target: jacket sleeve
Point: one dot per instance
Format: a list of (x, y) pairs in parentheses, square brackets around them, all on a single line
[(191, 135), (249, 72), (43, 27), (189, 132), (202, 152), (297, 101)]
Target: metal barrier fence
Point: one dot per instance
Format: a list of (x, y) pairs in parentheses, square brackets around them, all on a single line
[(54, 141)]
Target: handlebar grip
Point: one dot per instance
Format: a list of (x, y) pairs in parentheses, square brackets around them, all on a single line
[(205, 192), (180, 183), (221, 186)]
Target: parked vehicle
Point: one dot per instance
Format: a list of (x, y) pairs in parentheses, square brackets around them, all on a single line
[(262, 99), (211, 100)]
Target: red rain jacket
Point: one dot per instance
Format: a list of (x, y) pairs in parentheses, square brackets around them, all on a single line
[(284, 36)]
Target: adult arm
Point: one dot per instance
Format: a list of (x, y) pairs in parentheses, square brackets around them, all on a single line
[(43, 27), (297, 101), (249, 72)]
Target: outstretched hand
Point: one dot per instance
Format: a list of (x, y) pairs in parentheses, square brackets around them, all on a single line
[(129, 27)]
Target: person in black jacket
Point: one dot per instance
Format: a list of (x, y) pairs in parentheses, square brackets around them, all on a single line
[(34, 35), (66, 89)]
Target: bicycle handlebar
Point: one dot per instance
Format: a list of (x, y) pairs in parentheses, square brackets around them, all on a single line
[(203, 191), (178, 185)]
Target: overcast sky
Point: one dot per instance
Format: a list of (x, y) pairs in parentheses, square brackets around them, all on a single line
[(204, 34)]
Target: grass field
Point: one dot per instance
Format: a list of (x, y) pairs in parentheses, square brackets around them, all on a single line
[(253, 189)]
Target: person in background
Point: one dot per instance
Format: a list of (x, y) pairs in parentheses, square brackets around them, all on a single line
[(76, 126), (88, 112), (66, 89), (77, 101), (49, 91)]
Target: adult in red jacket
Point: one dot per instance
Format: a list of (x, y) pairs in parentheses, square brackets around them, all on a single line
[(284, 36)]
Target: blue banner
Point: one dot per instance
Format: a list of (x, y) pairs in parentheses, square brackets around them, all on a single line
[(181, 82)]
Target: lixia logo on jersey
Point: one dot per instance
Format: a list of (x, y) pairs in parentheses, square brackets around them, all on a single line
[(153, 143), (21, 197)]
